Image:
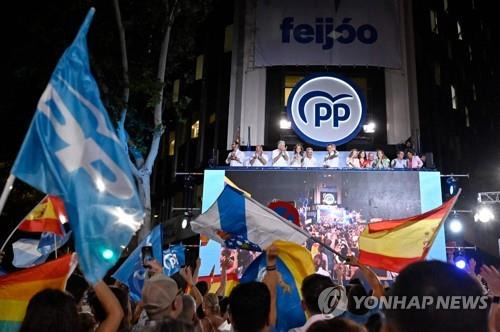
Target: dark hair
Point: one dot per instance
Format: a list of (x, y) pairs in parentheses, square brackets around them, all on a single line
[(435, 278), (336, 324), (87, 322), (224, 304), (170, 325), (356, 291), (99, 312), (202, 287), (249, 306), (51, 310), (312, 286), (410, 151)]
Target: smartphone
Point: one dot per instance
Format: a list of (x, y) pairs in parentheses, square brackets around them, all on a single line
[(147, 255)]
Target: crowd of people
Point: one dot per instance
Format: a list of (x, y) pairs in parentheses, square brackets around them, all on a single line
[(180, 303), (357, 159)]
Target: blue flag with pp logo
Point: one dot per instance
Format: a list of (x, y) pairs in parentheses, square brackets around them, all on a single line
[(173, 258), (131, 272), (71, 151)]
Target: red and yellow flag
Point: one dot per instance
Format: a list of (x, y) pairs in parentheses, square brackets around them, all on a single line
[(215, 280), (393, 244), (17, 288), (46, 217)]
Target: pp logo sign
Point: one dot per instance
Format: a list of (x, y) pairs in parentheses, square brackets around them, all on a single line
[(326, 109)]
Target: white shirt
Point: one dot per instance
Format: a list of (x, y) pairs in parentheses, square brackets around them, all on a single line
[(353, 162), (313, 319), (281, 162), (257, 162), (331, 163), (310, 162), (296, 161), (240, 155), (397, 163)]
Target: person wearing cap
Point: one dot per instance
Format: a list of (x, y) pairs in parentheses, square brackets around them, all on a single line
[(162, 299)]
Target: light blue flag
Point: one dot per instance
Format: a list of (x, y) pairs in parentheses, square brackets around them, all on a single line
[(173, 258), (26, 253), (50, 242), (71, 151), (131, 272)]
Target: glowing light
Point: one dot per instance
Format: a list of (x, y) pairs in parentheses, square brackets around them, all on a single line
[(107, 254), (184, 223), (455, 226), (63, 219), (125, 218), (460, 263), (100, 185), (369, 128), (484, 214), (285, 124)]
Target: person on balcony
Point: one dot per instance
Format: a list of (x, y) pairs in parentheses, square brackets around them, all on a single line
[(235, 157), (280, 155), (332, 157)]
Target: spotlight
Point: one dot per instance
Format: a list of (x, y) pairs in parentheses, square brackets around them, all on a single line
[(184, 223), (460, 263), (455, 226), (369, 128), (285, 124), (452, 185), (484, 214)]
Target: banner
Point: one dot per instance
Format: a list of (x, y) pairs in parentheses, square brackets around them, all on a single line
[(328, 32)]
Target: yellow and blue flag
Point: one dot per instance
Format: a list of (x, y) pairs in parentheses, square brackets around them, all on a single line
[(71, 151), (294, 263)]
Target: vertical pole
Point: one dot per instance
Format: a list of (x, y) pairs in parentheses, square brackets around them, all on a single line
[(6, 191)]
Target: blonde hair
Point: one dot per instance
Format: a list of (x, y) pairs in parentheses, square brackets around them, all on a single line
[(211, 301)]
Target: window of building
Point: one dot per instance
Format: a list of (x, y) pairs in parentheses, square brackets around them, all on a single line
[(470, 53), (437, 74), (290, 81), (171, 143), (175, 91), (459, 31), (445, 5), (195, 129), (453, 97), (434, 22), (199, 67), (228, 39), (474, 95), (211, 119), (467, 121)]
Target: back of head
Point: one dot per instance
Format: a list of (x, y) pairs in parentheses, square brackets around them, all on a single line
[(249, 307), (442, 282), (312, 286), (51, 310), (169, 325), (158, 294), (211, 304), (202, 287), (356, 291), (188, 309), (336, 325)]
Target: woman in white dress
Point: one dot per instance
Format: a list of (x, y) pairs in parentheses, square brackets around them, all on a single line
[(298, 156)]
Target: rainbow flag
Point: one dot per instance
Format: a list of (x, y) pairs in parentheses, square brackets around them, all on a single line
[(16, 289), (46, 217), (393, 244), (214, 282), (294, 263)]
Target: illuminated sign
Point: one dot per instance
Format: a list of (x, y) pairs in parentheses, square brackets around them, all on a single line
[(326, 108)]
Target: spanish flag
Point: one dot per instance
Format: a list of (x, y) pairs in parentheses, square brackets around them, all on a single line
[(393, 244), (215, 280), (16, 289), (46, 217)]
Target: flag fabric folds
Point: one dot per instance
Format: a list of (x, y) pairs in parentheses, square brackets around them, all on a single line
[(238, 221), (50, 242), (393, 244), (131, 272), (26, 253), (173, 258), (16, 289), (71, 151), (47, 216), (215, 280), (294, 263)]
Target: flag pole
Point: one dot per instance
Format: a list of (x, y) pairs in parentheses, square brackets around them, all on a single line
[(18, 225), (55, 245), (6, 191)]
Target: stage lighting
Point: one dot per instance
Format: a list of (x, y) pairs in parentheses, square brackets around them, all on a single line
[(460, 263), (184, 223), (369, 128), (455, 226), (285, 124), (484, 214), (452, 185)]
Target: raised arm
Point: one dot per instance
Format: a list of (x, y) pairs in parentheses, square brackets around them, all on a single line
[(110, 304), (378, 289), (271, 280), (223, 278)]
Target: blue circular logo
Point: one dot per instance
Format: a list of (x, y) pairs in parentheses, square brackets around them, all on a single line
[(326, 108)]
